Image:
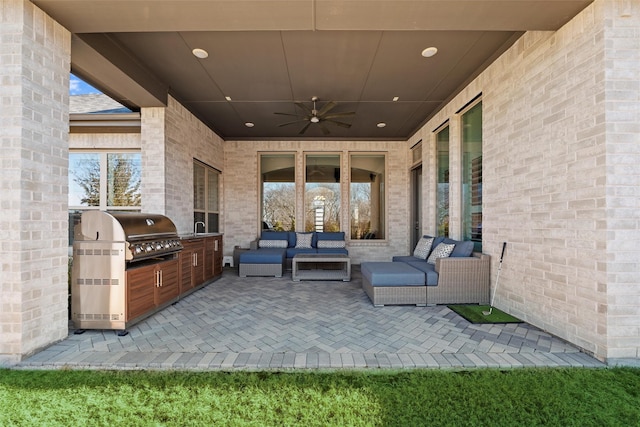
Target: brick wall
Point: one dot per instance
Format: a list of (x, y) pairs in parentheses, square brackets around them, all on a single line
[(242, 204), (560, 176), (622, 168), (34, 65), (171, 138)]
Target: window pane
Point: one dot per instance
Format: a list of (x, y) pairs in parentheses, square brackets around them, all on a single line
[(84, 179), (322, 192), (198, 186), (472, 175), (442, 195), (278, 191), (367, 201), (212, 190), (123, 179)]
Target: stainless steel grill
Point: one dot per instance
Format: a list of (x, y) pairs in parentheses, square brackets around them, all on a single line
[(106, 247), (146, 235)]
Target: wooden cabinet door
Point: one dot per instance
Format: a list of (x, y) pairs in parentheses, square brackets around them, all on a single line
[(141, 284), (168, 283), (192, 259), (185, 259), (217, 257), (198, 265), (209, 257)]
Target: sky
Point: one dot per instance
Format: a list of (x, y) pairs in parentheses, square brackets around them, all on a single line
[(79, 87)]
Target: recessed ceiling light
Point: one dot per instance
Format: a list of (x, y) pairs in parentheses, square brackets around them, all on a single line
[(429, 52), (200, 53), (249, 124), (395, 98), (228, 98), (381, 124)]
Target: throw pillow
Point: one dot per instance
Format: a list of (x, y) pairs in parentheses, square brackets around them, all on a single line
[(423, 247), (303, 240), (323, 244), (443, 250), (262, 243)]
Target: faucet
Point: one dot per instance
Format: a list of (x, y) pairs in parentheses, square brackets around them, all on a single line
[(195, 227)]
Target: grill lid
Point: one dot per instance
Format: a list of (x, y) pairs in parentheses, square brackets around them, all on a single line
[(147, 235)]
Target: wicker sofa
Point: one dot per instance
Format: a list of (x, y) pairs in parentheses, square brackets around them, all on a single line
[(460, 276), (273, 251)]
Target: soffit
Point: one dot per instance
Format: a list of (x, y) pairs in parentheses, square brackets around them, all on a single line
[(266, 55)]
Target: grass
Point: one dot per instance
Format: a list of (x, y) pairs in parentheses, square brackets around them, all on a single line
[(487, 397), (475, 314)]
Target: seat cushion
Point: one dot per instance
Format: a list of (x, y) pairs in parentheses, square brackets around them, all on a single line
[(263, 256), (429, 270), (391, 274)]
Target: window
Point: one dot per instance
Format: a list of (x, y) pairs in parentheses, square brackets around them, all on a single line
[(205, 197), (322, 192), (278, 176), (105, 180), (472, 175), (442, 194), (367, 196)]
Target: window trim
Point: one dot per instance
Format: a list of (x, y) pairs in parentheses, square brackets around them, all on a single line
[(260, 183), (385, 155), (103, 161), (341, 185), (208, 169)]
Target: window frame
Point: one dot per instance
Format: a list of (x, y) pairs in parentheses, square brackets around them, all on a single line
[(292, 154), (209, 228), (306, 154), (385, 209), (103, 162), (464, 209)]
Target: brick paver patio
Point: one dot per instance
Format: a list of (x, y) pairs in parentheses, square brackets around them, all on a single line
[(274, 323)]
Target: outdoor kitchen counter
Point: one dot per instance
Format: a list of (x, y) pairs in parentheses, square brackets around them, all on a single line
[(200, 259), (193, 236)]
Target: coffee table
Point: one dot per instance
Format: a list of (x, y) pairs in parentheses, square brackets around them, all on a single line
[(321, 267)]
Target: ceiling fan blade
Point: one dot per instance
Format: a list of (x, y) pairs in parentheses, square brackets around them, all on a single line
[(335, 122), (287, 114), (336, 115), (291, 123), (304, 129), (305, 108), (324, 129), (325, 109)]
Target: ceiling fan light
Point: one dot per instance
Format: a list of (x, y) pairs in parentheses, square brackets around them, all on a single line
[(249, 124), (381, 124), (314, 119)]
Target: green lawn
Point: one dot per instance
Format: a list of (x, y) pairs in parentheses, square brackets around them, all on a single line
[(485, 397)]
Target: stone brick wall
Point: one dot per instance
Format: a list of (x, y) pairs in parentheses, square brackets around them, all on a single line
[(560, 176), (242, 203), (34, 65), (622, 112), (187, 138)]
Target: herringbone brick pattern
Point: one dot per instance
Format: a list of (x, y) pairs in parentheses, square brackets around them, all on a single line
[(275, 323)]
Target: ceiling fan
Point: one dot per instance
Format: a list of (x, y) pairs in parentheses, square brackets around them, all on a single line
[(313, 115)]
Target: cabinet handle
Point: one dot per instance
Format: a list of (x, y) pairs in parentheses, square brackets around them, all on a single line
[(215, 245), (195, 259), (160, 275), (157, 274)]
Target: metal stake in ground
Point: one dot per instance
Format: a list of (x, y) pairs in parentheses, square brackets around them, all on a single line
[(495, 290)]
